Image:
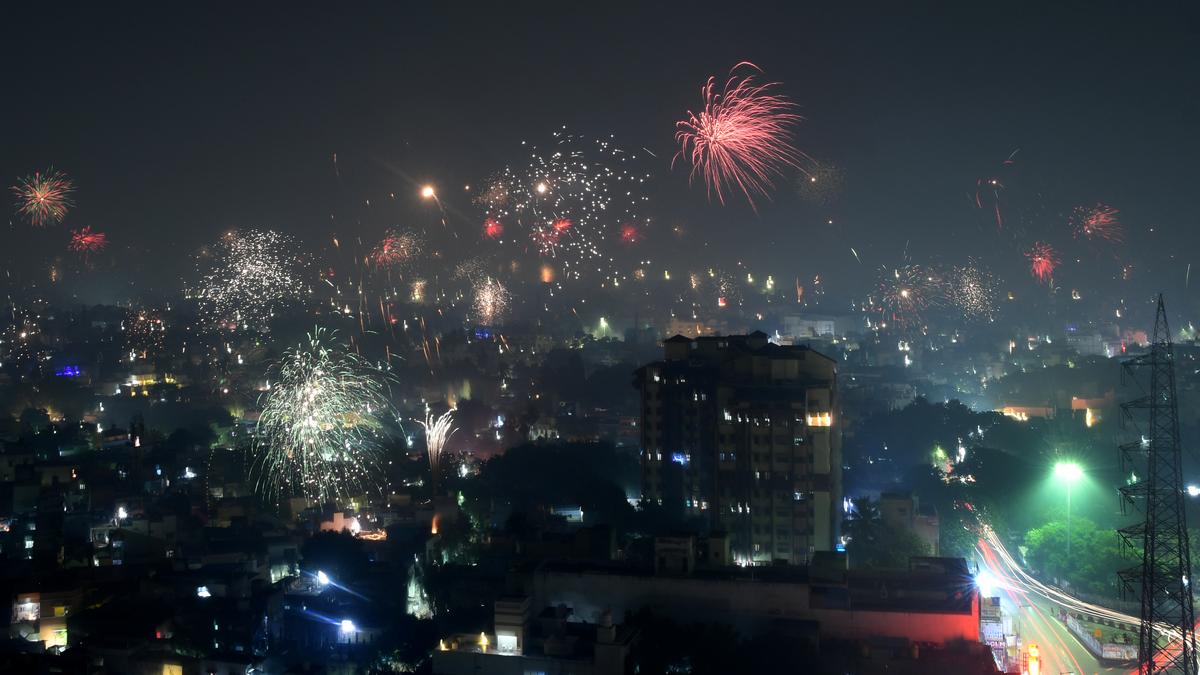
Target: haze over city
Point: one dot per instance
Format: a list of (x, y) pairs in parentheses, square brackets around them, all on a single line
[(608, 339)]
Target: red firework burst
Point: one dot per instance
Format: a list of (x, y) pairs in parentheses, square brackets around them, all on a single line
[(1098, 222), (545, 237), (85, 241), (396, 248), (1043, 260), (741, 138), (562, 225), (44, 198), (493, 228), (630, 234)]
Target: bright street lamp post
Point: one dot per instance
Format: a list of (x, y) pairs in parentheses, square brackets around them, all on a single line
[(1069, 473)]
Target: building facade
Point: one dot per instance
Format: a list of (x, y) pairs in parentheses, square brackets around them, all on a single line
[(743, 436)]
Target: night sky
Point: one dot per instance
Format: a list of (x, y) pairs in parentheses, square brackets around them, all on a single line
[(180, 123)]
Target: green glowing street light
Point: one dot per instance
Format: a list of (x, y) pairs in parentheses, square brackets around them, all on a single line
[(1069, 473)]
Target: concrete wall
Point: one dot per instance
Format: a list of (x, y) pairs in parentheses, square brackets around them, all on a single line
[(473, 663), (747, 605), (687, 599)]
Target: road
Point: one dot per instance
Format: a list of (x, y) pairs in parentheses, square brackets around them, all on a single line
[(1036, 619)]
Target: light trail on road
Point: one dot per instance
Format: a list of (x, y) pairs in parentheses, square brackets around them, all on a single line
[(1018, 575), (1016, 580), (1060, 651)]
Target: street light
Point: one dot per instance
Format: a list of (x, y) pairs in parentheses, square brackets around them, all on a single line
[(985, 582), (1069, 473), (1193, 490)]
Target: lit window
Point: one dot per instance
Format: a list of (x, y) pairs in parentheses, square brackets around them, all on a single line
[(819, 419)]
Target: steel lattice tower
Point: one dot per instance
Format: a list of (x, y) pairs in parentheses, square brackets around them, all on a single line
[(1167, 635)]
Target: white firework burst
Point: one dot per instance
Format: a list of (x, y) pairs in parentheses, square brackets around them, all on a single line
[(321, 424)]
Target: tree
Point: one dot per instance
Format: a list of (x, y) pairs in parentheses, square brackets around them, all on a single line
[(1095, 554), (338, 554), (873, 545), (532, 477)]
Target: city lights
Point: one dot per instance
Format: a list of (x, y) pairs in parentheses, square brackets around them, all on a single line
[(692, 341)]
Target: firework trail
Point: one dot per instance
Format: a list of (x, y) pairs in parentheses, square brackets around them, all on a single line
[(741, 138), (85, 241), (245, 277), (44, 198), (321, 426), (438, 430), (989, 189), (1097, 222), (1043, 260), (568, 202), (992, 186), (428, 192)]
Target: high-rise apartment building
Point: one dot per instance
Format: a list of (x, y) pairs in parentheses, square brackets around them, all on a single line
[(741, 436)]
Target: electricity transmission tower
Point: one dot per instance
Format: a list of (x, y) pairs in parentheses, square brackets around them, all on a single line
[(1167, 635)]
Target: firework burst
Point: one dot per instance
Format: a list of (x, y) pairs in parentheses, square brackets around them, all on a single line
[(568, 202), (1097, 222), (494, 194), (246, 277), (492, 228), (44, 198), (321, 424), (472, 270), (491, 301), (86, 242), (145, 333), (1043, 260), (973, 291), (904, 293), (397, 249), (438, 430), (741, 138)]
